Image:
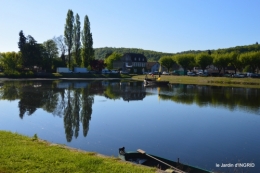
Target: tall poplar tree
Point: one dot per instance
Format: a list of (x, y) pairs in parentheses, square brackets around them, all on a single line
[(76, 40), (68, 33), (22, 41), (87, 52)]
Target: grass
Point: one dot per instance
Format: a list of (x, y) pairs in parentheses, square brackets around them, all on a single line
[(23, 154), (215, 81)]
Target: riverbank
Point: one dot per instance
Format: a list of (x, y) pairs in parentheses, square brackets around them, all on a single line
[(24, 154), (213, 81), (197, 80)]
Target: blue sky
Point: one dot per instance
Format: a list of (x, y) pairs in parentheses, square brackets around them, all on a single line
[(165, 26)]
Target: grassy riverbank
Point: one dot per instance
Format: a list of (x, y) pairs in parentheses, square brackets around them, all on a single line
[(23, 154), (216, 81)]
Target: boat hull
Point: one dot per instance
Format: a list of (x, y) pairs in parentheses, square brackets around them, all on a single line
[(144, 159), (148, 82)]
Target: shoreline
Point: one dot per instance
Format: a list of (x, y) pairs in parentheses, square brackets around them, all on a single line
[(197, 80), (22, 153)]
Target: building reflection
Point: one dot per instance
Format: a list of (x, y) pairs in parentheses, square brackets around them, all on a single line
[(73, 100), (132, 91)]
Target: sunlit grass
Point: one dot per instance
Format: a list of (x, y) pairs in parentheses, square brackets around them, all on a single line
[(24, 154), (216, 81)]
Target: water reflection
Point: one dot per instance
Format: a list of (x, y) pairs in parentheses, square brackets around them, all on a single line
[(232, 98), (191, 122), (73, 100)]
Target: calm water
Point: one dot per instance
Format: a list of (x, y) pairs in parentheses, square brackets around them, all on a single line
[(203, 126)]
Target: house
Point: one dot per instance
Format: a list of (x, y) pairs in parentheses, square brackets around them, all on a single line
[(155, 66), (132, 63)]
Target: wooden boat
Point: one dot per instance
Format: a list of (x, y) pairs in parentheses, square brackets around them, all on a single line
[(154, 81), (140, 157)]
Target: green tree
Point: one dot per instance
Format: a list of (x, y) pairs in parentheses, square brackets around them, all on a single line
[(187, 61), (167, 62), (235, 61), (31, 51), (203, 60), (62, 48), (34, 53), (111, 58), (76, 40), (68, 34), (50, 52), (22, 41), (221, 61), (87, 51), (252, 59), (11, 62)]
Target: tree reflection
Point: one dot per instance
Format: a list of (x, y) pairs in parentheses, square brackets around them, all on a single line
[(72, 100), (10, 91), (228, 97), (68, 117), (73, 104), (30, 100), (86, 111)]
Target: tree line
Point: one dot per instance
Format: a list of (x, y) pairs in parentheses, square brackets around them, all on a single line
[(103, 53), (247, 61), (32, 56)]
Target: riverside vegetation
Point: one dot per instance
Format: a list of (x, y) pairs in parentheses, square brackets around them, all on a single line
[(199, 80), (24, 154)]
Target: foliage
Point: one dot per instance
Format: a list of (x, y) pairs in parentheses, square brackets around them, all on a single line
[(103, 53), (30, 50), (87, 51), (252, 59), (167, 61), (111, 58), (235, 61), (11, 62), (50, 52), (203, 60), (62, 48), (68, 34), (221, 60), (57, 62), (97, 65), (187, 61), (240, 49), (76, 40)]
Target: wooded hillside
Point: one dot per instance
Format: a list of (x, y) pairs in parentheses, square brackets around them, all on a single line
[(102, 53)]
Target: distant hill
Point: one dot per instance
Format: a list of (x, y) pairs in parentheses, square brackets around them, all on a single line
[(242, 49), (102, 53), (239, 49)]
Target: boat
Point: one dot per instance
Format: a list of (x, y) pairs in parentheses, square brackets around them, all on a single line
[(141, 157), (154, 81)]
